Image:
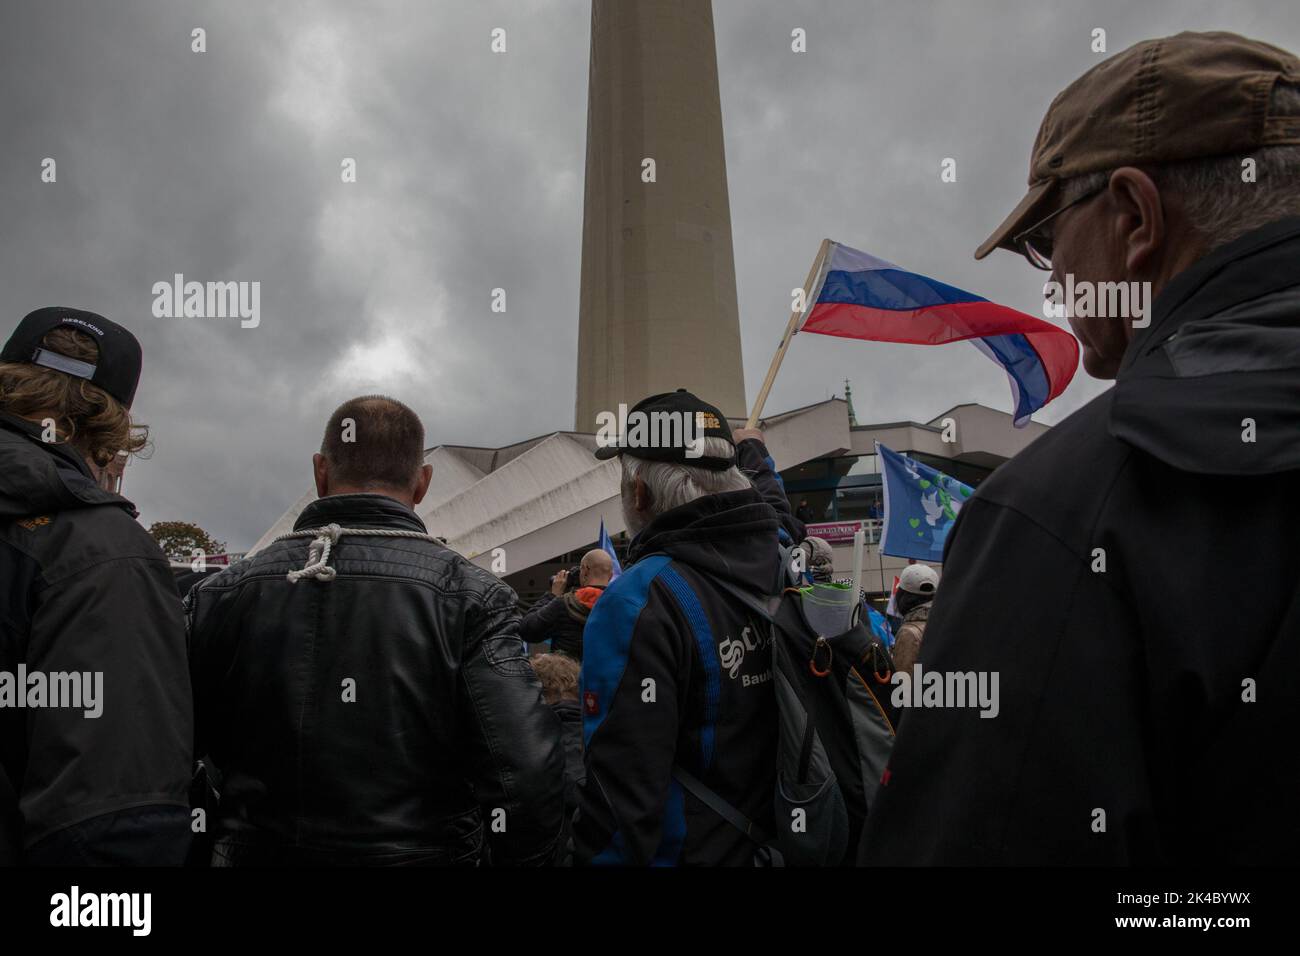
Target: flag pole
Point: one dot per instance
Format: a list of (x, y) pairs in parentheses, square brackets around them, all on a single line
[(880, 560), (790, 329), (859, 542)]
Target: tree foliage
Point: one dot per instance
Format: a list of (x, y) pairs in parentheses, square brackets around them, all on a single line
[(178, 539)]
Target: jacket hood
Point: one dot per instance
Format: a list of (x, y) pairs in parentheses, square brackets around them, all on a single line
[(731, 536), (1212, 386), (38, 477), (580, 602), (919, 613)]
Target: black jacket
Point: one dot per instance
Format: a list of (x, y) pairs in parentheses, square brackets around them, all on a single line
[(753, 458), (675, 672), (1134, 579), (569, 713), (560, 620), (386, 716), (83, 589)]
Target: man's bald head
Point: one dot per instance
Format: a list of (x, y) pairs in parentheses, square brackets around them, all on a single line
[(596, 568)]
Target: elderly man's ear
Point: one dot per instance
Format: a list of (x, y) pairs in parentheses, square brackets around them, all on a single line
[(1140, 221), (641, 497)]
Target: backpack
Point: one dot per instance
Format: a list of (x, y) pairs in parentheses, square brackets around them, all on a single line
[(836, 729)]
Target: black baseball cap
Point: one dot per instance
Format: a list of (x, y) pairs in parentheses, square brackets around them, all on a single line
[(676, 438), (117, 369)]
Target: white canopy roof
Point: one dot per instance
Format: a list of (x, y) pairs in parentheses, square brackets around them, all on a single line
[(547, 495)]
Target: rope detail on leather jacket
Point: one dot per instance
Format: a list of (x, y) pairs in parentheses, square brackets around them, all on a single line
[(323, 539)]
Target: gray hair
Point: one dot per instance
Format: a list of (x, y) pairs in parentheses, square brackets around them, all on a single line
[(673, 484), (1219, 204)]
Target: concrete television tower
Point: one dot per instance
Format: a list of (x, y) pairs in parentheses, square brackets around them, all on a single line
[(658, 299)]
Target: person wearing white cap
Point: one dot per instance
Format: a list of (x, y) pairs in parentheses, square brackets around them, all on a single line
[(916, 589)]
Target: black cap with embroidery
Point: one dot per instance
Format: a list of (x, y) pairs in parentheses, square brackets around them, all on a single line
[(117, 368), (670, 426)]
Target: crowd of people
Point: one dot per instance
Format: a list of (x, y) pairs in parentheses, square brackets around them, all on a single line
[(357, 693)]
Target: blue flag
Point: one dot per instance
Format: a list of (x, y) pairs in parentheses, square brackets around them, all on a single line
[(608, 547), (879, 625), (921, 505)]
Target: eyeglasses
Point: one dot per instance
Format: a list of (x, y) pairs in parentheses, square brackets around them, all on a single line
[(1035, 243)]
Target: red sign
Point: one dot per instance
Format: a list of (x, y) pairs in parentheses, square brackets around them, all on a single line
[(835, 532)]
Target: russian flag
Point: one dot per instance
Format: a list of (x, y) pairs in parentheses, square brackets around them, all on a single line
[(858, 296)]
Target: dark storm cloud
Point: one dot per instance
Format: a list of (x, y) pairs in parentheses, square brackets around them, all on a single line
[(224, 166)]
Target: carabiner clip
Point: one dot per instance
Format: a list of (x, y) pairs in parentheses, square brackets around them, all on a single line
[(880, 679), (830, 657)]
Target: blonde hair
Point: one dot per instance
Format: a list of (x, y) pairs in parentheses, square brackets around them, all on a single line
[(559, 677), (85, 416)]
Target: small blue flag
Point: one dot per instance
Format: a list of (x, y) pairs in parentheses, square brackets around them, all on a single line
[(879, 625), (608, 547), (921, 505)]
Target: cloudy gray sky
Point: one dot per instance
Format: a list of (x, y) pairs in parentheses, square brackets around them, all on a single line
[(225, 166)]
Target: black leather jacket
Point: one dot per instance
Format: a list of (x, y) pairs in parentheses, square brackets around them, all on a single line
[(386, 716)]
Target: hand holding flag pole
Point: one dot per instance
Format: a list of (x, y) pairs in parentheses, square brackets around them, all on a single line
[(791, 328)]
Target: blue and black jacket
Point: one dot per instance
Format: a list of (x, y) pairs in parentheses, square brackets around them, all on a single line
[(676, 672)]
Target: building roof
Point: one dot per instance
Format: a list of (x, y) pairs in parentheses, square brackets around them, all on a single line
[(547, 495)]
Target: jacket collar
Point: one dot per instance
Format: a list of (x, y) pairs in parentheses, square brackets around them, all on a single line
[(581, 601), (919, 613), (1222, 349), (43, 475), (359, 511), (58, 449), (1240, 271)]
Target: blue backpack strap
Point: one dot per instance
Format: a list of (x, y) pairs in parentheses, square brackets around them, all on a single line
[(689, 602)]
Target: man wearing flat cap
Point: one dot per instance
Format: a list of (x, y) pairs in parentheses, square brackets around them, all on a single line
[(1133, 576)]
